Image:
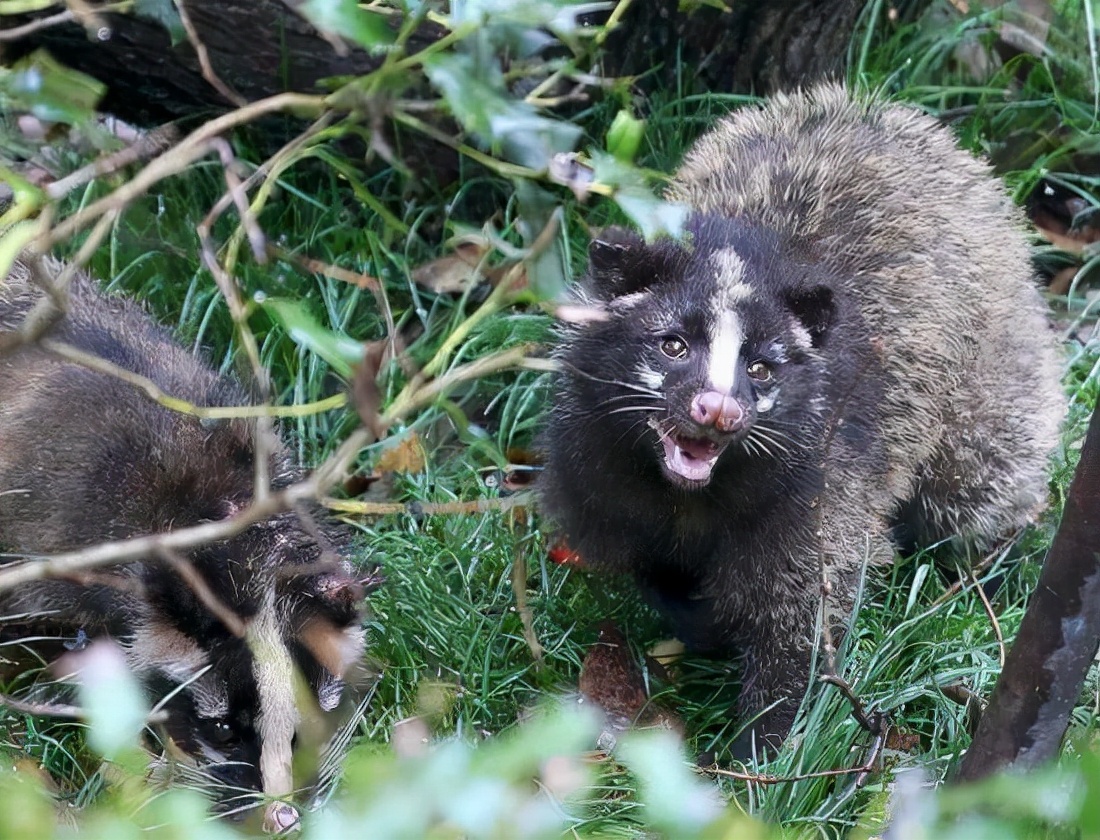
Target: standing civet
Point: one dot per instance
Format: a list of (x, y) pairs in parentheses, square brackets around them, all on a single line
[(86, 458), (846, 346)]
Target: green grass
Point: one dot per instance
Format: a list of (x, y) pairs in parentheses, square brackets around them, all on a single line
[(445, 633)]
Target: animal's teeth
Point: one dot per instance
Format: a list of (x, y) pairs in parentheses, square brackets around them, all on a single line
[(685, 463)]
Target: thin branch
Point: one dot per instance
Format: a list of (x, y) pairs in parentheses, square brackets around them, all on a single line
[(992, 618), (159, 396), (152, 143), (62, 710), (459, 508), (863, 768), (26, 707), (203, 592), (327, 475), (17, 32), (188, 150), (263, 433), (83, 14), (204, 58)]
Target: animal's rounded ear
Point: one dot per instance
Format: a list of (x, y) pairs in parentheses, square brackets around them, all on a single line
[(814, 310), (607, 249), (611, 257)]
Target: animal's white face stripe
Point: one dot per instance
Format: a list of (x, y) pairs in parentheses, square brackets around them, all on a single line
[(726, 338), (631, 300), (278, 720), (649, 377), (730, 271)]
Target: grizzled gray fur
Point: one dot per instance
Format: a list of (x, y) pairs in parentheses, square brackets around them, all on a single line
[(846, 346), (86, 458)]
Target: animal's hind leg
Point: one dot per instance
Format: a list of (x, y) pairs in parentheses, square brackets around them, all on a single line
[(987, 478)]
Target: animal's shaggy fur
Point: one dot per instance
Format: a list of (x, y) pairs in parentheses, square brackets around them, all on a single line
[(86, 458), (847, 345)]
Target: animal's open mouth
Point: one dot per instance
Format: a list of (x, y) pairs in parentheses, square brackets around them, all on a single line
[(692, 459)]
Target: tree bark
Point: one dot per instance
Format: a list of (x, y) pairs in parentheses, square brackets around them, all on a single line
[(749, 47), (262, 47), (256, 47), (1046, 668)]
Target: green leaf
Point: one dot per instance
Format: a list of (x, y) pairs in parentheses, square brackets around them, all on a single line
[(654, 216), (51, 91), (559, 16), (166, 14), (548, 270), (304, 330), (625, 136), (25, 809), (676, 801), (475, 93), (346, 19), (112, 700)]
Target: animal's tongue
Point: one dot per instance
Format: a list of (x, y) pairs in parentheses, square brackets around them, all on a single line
[(690, 458)]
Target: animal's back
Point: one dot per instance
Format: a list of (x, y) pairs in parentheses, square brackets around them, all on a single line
[(72, 432)]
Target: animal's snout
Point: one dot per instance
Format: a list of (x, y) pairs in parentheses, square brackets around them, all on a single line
[(722, 411)]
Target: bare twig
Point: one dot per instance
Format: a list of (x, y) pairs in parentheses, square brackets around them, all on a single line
[(263, 434), (768, 779), (77, 11), (987, 561), (152, 143), (992, 618), (203, 592), (204, 58), (237, 193), (17, 32), (26, 707), (334, 272), (62, 710), (459, 508), (188, 150), (159, 396), (327, 474), (262, 173), (355, 278)]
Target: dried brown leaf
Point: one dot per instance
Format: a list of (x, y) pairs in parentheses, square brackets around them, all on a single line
[(407, 456), (455, 272), (611, 678)]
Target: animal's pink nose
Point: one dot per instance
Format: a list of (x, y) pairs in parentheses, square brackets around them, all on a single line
[(722, 411)]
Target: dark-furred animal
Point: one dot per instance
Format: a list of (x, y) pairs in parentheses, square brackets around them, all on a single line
[(86, 458), (846, 346)]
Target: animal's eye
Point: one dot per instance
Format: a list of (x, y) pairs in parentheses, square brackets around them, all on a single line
[(760, 371), (223, 732), (674, 347)]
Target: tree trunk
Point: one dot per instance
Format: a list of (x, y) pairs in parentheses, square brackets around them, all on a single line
[(256, 47), (750, 47), (261, 47), (1045, 670)]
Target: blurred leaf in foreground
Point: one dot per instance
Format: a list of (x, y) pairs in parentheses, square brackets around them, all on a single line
[(51, 91)]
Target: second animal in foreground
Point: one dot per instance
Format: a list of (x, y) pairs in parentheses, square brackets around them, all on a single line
[(847, 347), (86, 458)]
